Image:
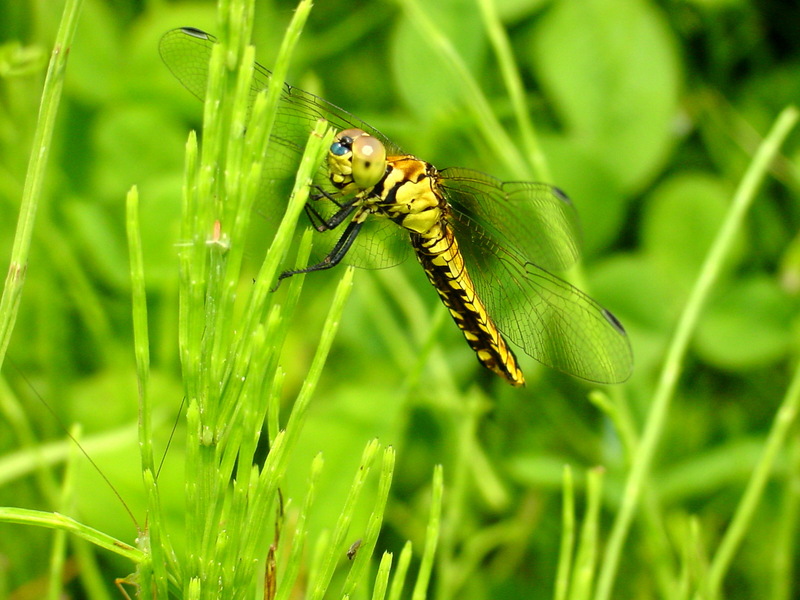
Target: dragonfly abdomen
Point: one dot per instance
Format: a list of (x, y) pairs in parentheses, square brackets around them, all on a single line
[(438, 252)]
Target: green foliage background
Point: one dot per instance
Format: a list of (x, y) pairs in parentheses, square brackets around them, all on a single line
[(648, 113)]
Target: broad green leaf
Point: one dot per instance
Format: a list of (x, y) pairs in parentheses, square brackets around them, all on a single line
[(610, 68), (595, 191), (425, 82), (747, 326), (679, 222)]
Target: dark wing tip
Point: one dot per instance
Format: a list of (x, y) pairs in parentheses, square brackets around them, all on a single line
[(561, 194), (615, 323), (198, 33), (621, 375)]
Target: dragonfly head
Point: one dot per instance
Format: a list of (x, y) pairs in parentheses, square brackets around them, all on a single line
[(356, 158)]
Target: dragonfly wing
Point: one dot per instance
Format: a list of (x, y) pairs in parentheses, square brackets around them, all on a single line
[(551, 320), (537, 219), (186, 52)]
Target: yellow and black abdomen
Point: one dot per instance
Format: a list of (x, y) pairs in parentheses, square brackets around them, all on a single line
[(438, 252)]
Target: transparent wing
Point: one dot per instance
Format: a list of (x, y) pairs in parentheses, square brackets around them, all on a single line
[(510, 233), (186, 52)]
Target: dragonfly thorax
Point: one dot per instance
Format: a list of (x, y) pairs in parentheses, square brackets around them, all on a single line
[(356, 161)]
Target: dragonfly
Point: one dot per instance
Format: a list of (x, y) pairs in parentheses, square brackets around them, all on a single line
[(487, 246)]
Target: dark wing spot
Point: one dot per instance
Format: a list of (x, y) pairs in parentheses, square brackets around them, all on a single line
[(613, 320)]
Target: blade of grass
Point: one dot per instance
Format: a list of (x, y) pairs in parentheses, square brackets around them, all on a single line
[(671, 371)]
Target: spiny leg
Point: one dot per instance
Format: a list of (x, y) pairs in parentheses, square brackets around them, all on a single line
[(336, 254)]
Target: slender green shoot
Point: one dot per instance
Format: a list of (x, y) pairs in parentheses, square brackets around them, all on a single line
[(743, 517), (516, 91), (399, 579), (37, 167), (382, 578), (586, 558), (493, 132), (567, 535), (432, 536), (364, 555), (25, 516), (709, 273), (157, 545)]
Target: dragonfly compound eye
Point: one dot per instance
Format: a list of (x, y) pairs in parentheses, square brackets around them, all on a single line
[(342, 146), (369, 161)]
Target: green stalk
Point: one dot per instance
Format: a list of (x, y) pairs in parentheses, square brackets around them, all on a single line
[(34, 178), (709, 273), (567, 536), (399, 579), (516, 91), (382, 578), (432, 536), (493, 132), (66, 505), (586, 558), (742, 519), (57, 521), (370, 538)]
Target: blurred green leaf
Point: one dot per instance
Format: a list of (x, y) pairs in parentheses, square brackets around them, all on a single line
[(747, 325), (132, 143), (17, 60), (611, 70), (423, 80), (680, 219), (514, 10), (593, 188)]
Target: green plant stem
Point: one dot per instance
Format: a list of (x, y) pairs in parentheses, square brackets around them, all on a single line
[(586, 557), (432, 536), (516, 92), (781, 426), (37, 165), (382, 578), (484, 117), (399, 579), (567, 536), (140, 332), (785, 548), (657, 417), (373, 528), (66, 504), (24, 516)]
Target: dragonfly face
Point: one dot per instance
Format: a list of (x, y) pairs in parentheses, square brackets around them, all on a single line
[(486, 246), (356, 161)]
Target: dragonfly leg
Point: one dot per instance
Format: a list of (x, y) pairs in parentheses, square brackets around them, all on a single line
[(336, 254), (321, 193), (321, 224)]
